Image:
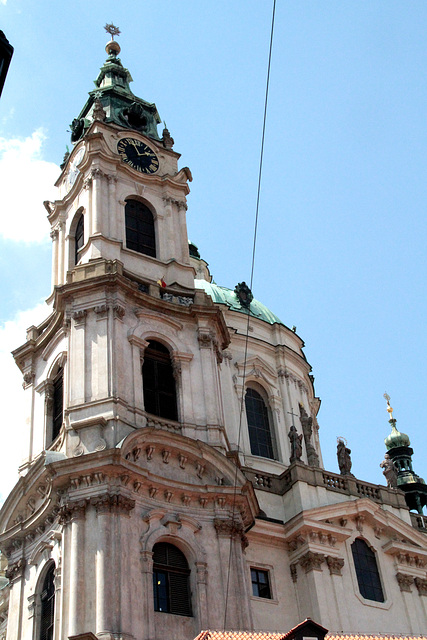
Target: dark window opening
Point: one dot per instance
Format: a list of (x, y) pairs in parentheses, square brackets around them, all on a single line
[(159, 382), (140, 234), (57, 404), (260, 583), (367, 573), (79, 238), (47, 598), (260, 435), (171, 576)]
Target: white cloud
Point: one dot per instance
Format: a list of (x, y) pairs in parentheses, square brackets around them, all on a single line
[(15, 421), (26, 180)]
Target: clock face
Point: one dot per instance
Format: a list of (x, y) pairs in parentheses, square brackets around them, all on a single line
[(73, 172), (137, 155)]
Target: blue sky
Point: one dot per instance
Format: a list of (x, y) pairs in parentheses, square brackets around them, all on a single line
[(342, 229)]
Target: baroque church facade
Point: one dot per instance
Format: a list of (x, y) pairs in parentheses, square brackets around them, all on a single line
[(169, 485)]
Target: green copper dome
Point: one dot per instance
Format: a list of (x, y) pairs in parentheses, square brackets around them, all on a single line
[(396, 439), (222, 295)]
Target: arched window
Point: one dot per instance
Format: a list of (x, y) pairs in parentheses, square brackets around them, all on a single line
[(57, 403), (140, 234), (47, 605), (367, 573), (261, 436), (79, 238), (171, 576), (159, 382)]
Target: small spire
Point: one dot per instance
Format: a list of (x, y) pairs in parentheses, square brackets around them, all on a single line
[(112, 47)]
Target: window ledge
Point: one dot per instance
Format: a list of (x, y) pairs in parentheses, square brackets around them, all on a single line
[(268, 600)]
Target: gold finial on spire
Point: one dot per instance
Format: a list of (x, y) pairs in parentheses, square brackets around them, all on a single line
[(113, 47), (389, 408), (112, 30)]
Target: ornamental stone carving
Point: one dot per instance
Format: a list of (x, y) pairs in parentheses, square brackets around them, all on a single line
[(98, 112), (335, 565), (119, 311), (312, 561), (107, 503), (405, 581), (72, 511), (16, 570), (294, 572), (421, 584), (229, 528), (28, 379), (79, 316), (205, 338), (202, 572), (296, 542)]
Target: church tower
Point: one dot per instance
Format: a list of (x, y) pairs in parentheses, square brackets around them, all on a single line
[(174, 482)]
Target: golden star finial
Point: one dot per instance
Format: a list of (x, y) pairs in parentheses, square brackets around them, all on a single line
[(112, 30)]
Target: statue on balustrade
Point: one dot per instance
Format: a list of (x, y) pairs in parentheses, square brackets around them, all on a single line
[(344, 458), (296, 446), (389, 471)]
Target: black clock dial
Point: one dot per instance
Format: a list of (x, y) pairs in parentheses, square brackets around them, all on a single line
[(137, 155)]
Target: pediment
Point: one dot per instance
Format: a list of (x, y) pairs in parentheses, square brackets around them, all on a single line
[(337, 522), (257, 367)]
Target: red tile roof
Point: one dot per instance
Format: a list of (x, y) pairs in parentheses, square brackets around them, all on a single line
[(280, 635)]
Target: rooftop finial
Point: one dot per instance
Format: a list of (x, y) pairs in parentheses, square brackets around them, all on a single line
[(112, 47), (112, 30), (389, 408)]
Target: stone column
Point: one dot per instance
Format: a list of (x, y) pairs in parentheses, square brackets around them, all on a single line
[(147, 593), (314, 588), (210, 375), (103, 565), (335, 566), (109, 613), (112, 206), (182, 231), (16, 576), (96, 175), (181, 372), (73, 515), (202, 596), (61, 255), (166, 228), (100, 359), (78, 373), (232, 539), (54, 235)]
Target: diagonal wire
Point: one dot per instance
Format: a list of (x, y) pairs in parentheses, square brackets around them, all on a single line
[(233, 520)]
